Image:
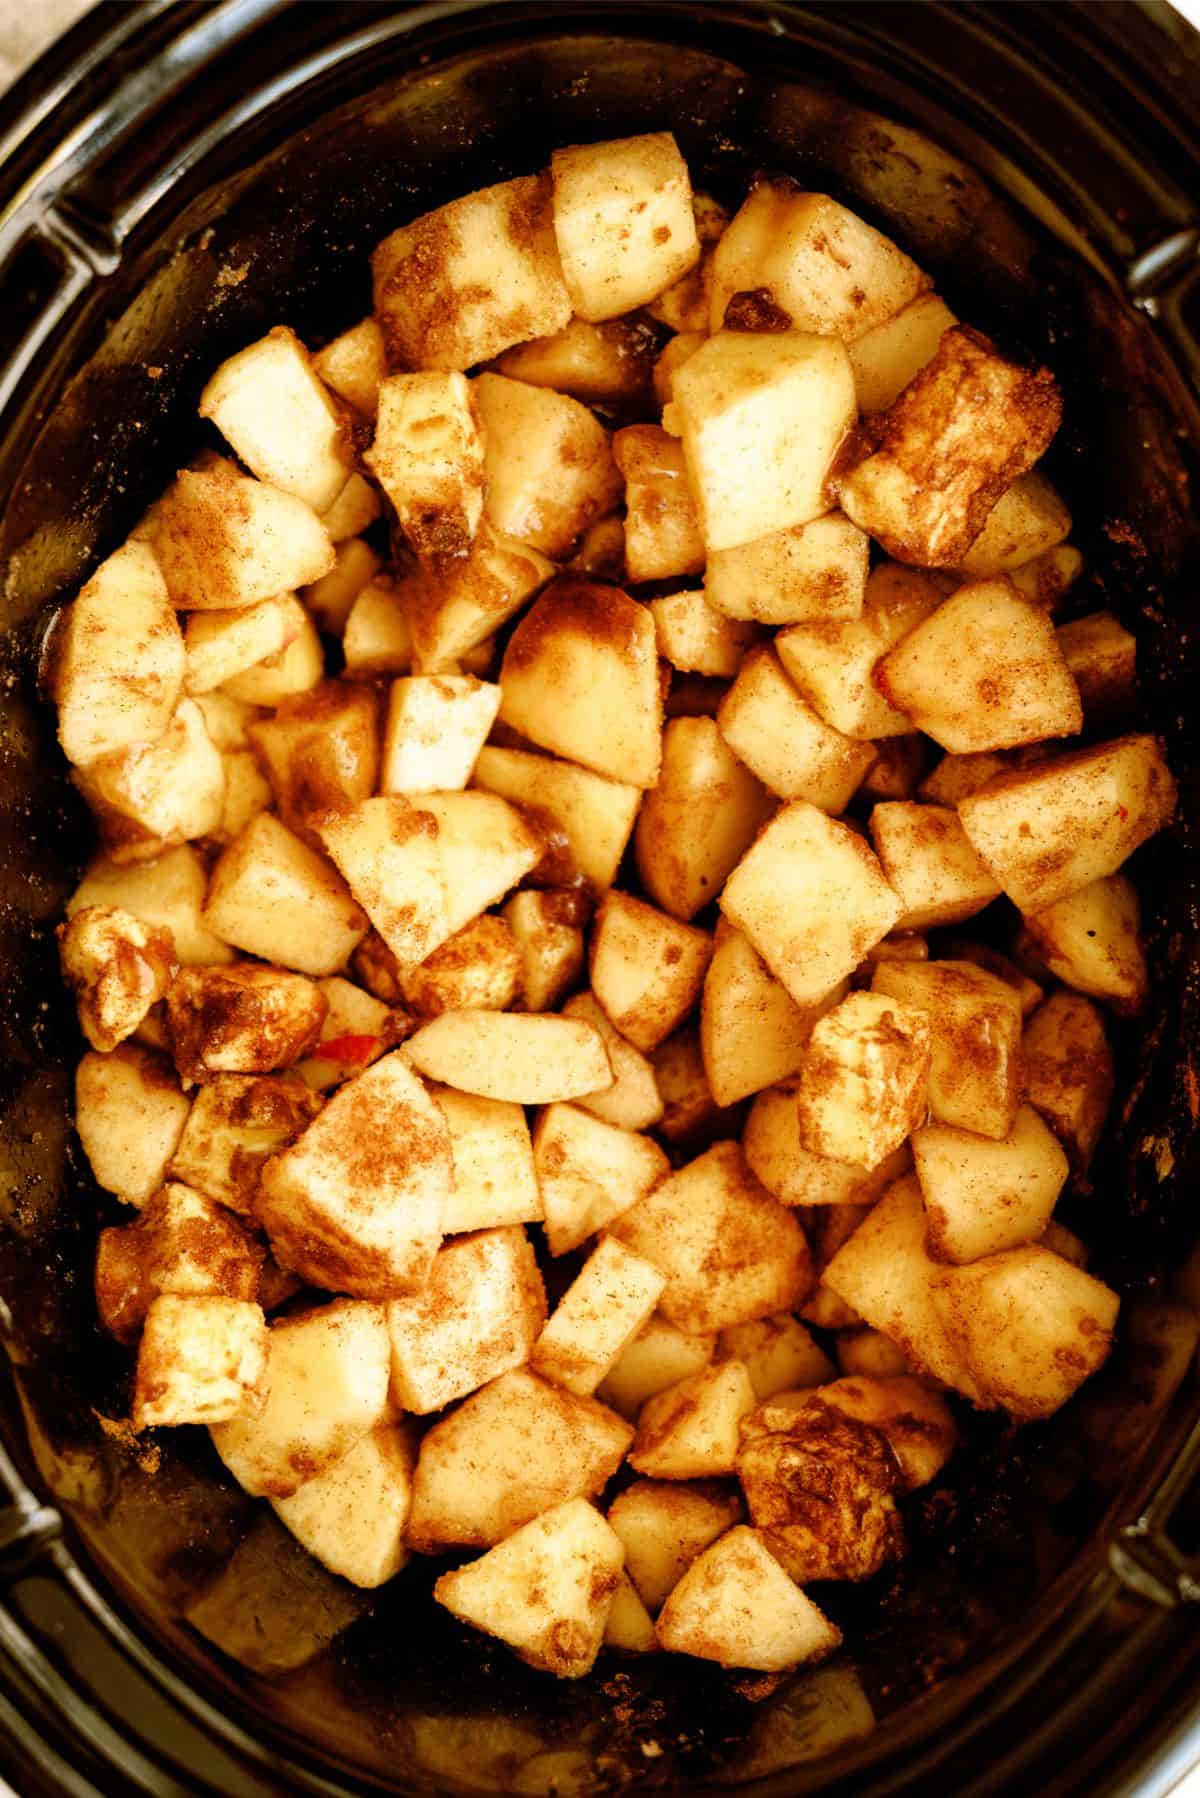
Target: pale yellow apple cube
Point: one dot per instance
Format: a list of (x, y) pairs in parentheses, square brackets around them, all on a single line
[(662, 528), (116, 659), (272, 408), (429, 457), (354, 364), (647, 969), (929, 861), (632, 1101), (523, 1057), (695, 638), (788, 745), (1102, 657), (594, 814), (793, 1174), (547, 928), (658, 1356), (752, 1032), (494, 1179), (129, 1115), (815, 571), (1067, 1073), (202, 1359), (331, 599), (737, 1606), (1027, 521), (981, 1196), (690, 1431), (271, 895), (597, 1317), (833, 663), (975, 1020), (886, 358), (623, 220), (1092, 941), (454, 609), (697, 823), (864, 1079), (548, 463), (477, 1316), (778, 1353), (352, 1517), (436, 726), (589, 1172)]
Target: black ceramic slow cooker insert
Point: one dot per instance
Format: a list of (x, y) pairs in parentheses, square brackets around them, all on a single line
[(175, 179)]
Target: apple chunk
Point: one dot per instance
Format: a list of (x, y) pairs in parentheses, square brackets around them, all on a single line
[(428, 456), (961, 432), (271, 895), (623, 221), (423, 869), (985, 671), (355, 1205), (815, 571), (690, 1431), (129, 1115), (700, 819), (580, 678), (812, 899), (202, 1359), (594, 814), (1092, 941), (737, 1606), (588, 1172), (1049, 830), (981, 1196), (117, 659), (477, 1317), (351, 1518), (436, 726), (507, 1453), (546, 1591), (730, 1252), (752, 1032), (762, 420), (647, 969), (788, 745), (274, 411), (1068, 1073), (975, 1021), (930, 862), (458, 285), (662, 531), (525, 1057), (597, 1317), (864, 1079), (548, 464)]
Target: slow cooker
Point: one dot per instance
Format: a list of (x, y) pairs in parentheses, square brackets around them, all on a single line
[(174, 179)]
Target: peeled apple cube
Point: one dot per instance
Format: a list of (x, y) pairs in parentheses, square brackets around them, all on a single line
[(1068, 1073), (1028, 520), (623, 220), (595, 814), (548, 463), (975, 1023), (588, 1172), (117, 659), (983, 1196), (985, 671), (662, 530), (352, 1517), (202, 1359), (526, 1058), (428, 456), (762, 419), (929, 860), (477, 1317), (271, 895), (153, 796), (815, 571), (129, 1114), (458, 285), (737, 1606), (1047, 831), (823, 267), (886, 358), (864, 1079), (1092, 942), (271, 407)]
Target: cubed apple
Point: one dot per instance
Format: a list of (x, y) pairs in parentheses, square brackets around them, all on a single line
[(929, 861), (352, 1517), (647, 969), (353, 364), (116, 659), (129, 1115), (331, 599), (864, 1079), (793, 1174), (181, 1242), (778, 1353), (202, 1359), (117, 967), (779, 736), (690, 1431), (156, 795), (453, 609), (271, 895), (605, 364), (594, 814), (428, 456), (436, 726), (808, 572), (478, 1315), (597, 1317), (975, 1023), (887, 357), (548, 464), (662, 529), (697, 823), (547, 928), (812, 899), (526, 1058), (632, 1101), (695, 638), (658, 1356), (762, 419), (752, 1032), (1067, 1073), (589, 1172), (623, 221), (241, 1019), (1028, 520), (272, 408), (236, 1123), (1092, 941), (832, 663), (378, 634), (458, 285), (1102, 657), (494, 1179), (736, 1605), (982, 1196)]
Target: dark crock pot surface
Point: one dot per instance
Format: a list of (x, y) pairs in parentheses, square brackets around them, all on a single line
[(171, 247)]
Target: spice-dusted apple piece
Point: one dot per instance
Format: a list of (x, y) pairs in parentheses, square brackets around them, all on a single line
[(886, 358), (697, 823), (593, 813), (118, 967), (274, 411), (422, 869), (985, 671), (832, 663), (737, 1606), (960, 433), (356, 507), (477, 969), (975, 1024), (778, 1353), (690, 1431), (792, 1173), (647, 969), (202, 1359), (658, 1356), (864, 1079), (821, 266), (821, 1486), (762, 419), (632, 1101), (241, 1019), (507, 1453), (222, 645), (730, 1252), (358, 1028), (1102, 657), (662, 529), (320, 751), (914, 1417), (428, 456), (547, 928), (236, 1123), (1031, 1326), (812, 899), (548, 464), (355, 1204), (353, 365), (225, 540), (293, 670), (624, 222), (352, 1517), (449, 611), (1092, 941), (588, 1172), (1028, 520), (165, 894), (494, 1178), (526, 1058), (156, 795), (930, 862), (1048, 830), (684, 306), (983, 1196), (815, 571), (695, 639), (1067, 1072), (458, 285), (752, 1032), (788, 745), (327, 1386), (478, 1316), (546, 1591), (271, 895), (331, 599), (129, 1115), (887, 1275), (580, 678), (117, 659), (181, 1242), (436, 726), (605, 364), (597, 1317), (630, 1628)]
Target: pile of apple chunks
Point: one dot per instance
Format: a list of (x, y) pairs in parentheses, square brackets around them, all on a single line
[(367, 1004)]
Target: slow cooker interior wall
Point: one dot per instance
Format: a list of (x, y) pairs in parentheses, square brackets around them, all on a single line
[(290, 242)]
